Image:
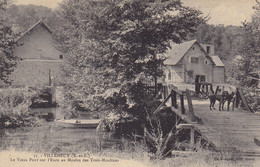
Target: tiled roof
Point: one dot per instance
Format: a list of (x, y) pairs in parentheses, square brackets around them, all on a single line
[(177, 51)]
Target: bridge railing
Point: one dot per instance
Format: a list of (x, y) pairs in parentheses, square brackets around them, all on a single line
[(205, 88), (174, 98)]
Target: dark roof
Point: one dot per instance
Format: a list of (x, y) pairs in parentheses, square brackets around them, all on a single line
[(40, 22), (177, 51)]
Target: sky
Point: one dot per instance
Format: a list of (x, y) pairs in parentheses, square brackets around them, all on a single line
[(226, 12)]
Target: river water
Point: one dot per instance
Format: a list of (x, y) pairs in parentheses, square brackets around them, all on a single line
[(52, 138)]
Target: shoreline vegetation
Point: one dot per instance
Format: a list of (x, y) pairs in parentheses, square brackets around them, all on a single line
[(101, 146), (14, 108), (114, 53), (45, 137)]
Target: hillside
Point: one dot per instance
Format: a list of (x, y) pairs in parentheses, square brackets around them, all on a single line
[(22, 17)]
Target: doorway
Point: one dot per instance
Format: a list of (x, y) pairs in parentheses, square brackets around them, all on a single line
[(199, 79)]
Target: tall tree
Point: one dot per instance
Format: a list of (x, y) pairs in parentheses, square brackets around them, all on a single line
[(115, 47), (7, 59), (250, 53), (248, 64)]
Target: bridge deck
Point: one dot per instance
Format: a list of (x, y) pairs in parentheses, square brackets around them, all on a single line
[(228, 129)]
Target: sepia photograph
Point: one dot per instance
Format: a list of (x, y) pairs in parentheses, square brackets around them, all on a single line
[(122, 83)]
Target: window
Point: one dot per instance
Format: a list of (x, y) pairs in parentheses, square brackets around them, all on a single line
[(61, 56), (206, 62), (169, 76), (193, 48), (208, 49), (194, 60)]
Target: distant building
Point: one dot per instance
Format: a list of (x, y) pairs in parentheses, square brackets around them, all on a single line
[(41, 61), (191, 62)]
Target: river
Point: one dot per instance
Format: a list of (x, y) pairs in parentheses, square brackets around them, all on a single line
[(52, 138)]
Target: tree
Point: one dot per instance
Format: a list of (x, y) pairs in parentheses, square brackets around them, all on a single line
[(22, 17), (7, 59), (114, 52), (247, 65)]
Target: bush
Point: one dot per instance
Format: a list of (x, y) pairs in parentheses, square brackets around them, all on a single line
[(250, 95), (14, 108)]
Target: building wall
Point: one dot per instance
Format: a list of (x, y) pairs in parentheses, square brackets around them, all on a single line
[(37, 44), (176, 72), (37, 73), (218, 75), (186, 71), (40, 60)]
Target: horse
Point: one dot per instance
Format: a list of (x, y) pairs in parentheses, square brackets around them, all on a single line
[(221, 98), (231, 98)]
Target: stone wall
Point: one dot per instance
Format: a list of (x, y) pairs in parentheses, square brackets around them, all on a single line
[(40, 59), (37, 73)]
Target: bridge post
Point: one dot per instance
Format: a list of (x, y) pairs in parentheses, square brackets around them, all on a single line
[(164, 92), (237, 98), (182, 104), (192, 137), (243, 99), (174, 99), (191, 114)]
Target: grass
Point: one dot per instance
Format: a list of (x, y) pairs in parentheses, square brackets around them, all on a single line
[(45, 139)]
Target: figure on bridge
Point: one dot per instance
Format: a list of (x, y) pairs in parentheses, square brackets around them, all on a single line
[(217, 96)]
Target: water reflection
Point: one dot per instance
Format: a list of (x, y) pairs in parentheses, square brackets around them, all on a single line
[(52, 138)]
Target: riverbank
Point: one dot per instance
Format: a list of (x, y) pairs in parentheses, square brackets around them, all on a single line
[(51, 140)]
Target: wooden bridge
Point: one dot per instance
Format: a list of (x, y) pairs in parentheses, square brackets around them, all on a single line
[(225, 130)]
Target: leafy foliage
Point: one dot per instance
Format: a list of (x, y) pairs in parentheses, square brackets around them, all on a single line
[(14, 106), (227, 40), (114, 48), (247, 64), (7, 59), (22, 17)]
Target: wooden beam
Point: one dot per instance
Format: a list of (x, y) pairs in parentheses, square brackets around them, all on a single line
[(192, 137), (174, 99), (182, 104), (191, 114), (185, 126), (244, 100), (163, 103), (172, 87), (237, 98)]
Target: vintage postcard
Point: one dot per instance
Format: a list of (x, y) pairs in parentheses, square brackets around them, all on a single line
[(129, 83)]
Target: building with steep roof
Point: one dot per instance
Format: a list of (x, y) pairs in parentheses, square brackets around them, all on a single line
[(40, 61), (191, 62)]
